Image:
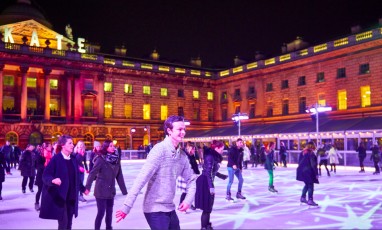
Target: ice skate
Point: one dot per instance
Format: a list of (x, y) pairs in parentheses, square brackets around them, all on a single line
[(239, 196), (311, 203), (37, 207), (272, 189), (303, 201), (229, 198)]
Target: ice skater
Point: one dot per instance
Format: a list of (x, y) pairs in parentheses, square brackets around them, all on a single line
[(269, 163), (235, 167), (307, 172), (205, 189)]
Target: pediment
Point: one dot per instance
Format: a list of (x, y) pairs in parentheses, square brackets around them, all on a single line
[(26, 28)]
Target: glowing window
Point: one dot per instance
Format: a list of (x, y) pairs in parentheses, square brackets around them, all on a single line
[(365, 96), (163, 92), (210, 96), (128, 111), (88, 107), (108, 87), (31, 82), (163, 112), (54, 106), (9, 81), (342, 100), (195, 94), (32, 103), (8, 103), (108, 109), (321, 99), (128, 88), (146, 90), (146, 111), (53, 83)]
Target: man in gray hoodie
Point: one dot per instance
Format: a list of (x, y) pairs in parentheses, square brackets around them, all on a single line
[(164, 164)]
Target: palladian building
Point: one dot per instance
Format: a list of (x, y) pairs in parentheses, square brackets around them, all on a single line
[(53, 84)]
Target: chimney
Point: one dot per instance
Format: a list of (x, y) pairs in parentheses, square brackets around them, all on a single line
[(154, 55), (237, 61), (355, 29), (284, 48), (196, 62), (259, 56), (120, 50)]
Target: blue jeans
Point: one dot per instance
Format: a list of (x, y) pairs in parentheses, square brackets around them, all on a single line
[(239, 176), (162, 220)]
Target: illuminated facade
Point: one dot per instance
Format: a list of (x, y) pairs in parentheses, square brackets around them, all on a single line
[(53, 84)]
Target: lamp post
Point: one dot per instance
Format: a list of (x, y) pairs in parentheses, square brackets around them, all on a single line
[(132, 131), (315, 110), (237, 117)]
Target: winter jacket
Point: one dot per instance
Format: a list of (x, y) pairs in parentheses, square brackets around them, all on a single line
[(39, 165), (105, 174), (235, 157), (361, 152), (54, 197), (2, 167), (211, 166), (307, 167), (27, 164), (269, 160), (333, 156)]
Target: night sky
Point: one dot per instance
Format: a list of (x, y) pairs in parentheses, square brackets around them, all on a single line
[(216, 31)]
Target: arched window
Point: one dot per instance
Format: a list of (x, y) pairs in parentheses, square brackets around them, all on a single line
[(35, 138), (88, 140), (12, 138)]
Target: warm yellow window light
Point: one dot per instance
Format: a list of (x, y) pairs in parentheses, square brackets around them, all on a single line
[(128, 88), (365, 96), (210, 96), (195, 94), (31, 82), (108, 109), (108, 87), (163, 92), (342, 100), (163, 112), (146, 111), (146, 90)]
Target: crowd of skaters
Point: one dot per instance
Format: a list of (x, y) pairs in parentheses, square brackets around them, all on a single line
[(57, 169)]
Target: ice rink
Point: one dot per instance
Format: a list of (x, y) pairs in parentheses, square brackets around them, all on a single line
[(347, 200)]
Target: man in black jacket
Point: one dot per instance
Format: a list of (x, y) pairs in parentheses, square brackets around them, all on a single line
[(234, 167)]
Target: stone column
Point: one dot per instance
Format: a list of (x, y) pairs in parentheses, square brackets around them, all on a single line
[(47, 72), (69, 97), (77, 106), (1, 90), (101, 98), (24, 93)]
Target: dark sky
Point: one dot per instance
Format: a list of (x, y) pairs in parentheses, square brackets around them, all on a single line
[(217, 31)]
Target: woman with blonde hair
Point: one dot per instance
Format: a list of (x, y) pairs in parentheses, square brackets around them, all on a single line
[(79, 152)]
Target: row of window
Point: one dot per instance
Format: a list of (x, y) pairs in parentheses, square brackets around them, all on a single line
[(341, 73), (9, 81), (128, 89)]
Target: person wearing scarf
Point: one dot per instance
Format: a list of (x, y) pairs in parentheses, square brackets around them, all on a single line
[(105, 172)]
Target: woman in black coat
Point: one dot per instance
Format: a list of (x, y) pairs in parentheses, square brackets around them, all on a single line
[(105, 172), (3, 166), (361, 155), (27, 167), (41, 161), (205, 189), (61, 177), (308, 173)]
